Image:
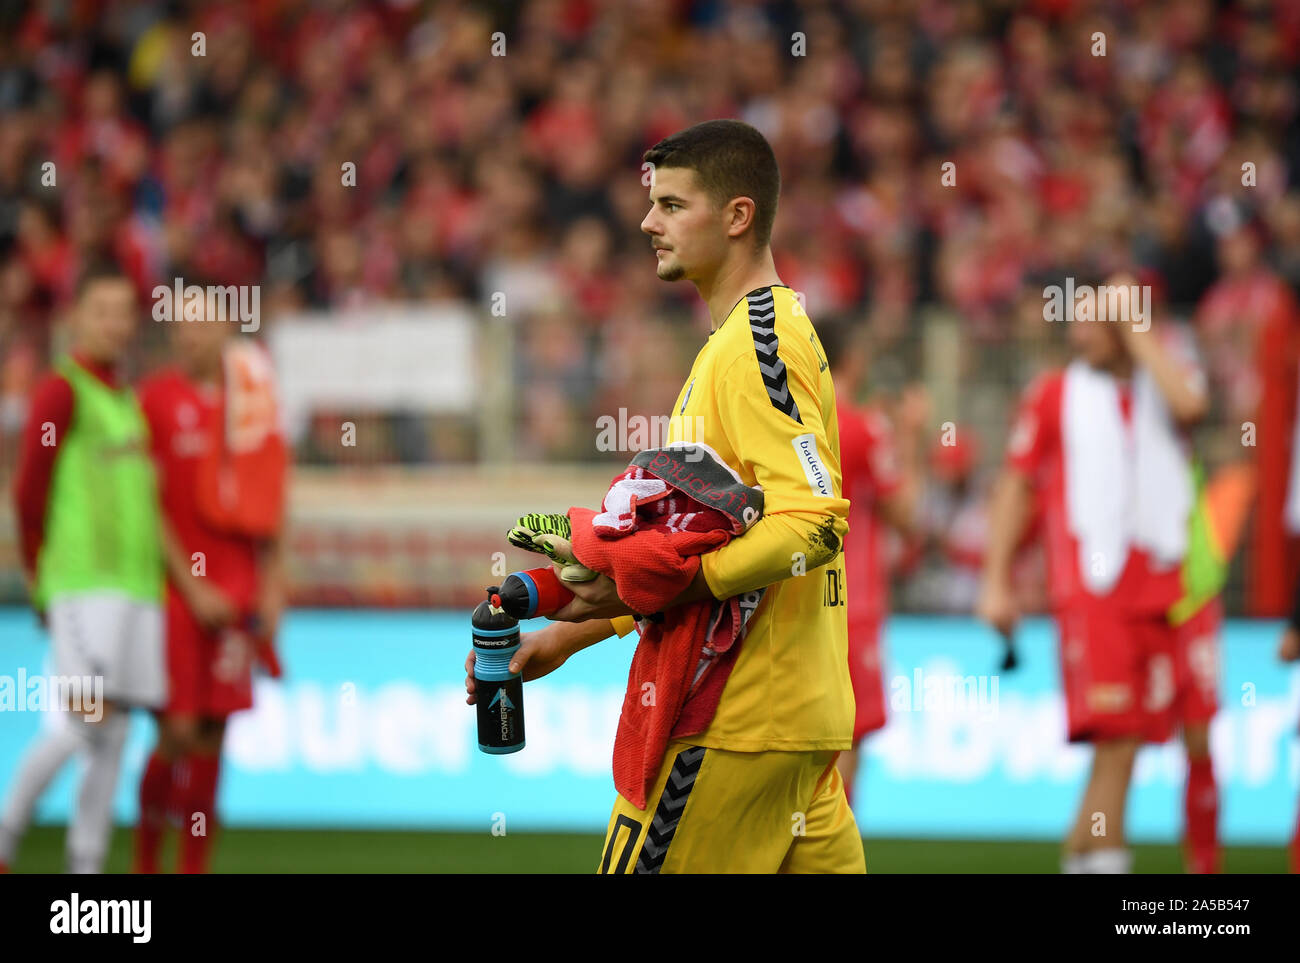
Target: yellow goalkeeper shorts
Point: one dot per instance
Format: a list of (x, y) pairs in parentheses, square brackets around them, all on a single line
[(718, 811)]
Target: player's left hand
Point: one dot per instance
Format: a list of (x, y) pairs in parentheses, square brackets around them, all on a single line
[(1141, 344), (1139, 341), (270, 607), (1289, 649), (597, 599)]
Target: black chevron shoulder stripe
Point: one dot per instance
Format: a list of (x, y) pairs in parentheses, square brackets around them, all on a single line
[(672, 802), (762, 324)]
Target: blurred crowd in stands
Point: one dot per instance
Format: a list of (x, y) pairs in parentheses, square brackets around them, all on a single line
[(942, 160)]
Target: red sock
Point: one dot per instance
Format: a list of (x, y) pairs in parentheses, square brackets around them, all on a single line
[(1201, 805), (198, 814), (155, 792), (1295, 845)]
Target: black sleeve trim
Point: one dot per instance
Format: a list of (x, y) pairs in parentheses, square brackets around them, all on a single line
[(762, 323)]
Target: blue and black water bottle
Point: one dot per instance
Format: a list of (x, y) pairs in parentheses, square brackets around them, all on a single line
[(499, 693)]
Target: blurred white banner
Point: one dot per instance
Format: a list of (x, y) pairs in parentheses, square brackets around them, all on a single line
[(397, 358)]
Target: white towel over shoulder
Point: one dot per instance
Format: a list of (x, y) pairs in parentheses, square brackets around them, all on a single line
[(1123, 487)]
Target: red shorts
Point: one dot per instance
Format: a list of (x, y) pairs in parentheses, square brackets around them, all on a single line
[(209, 673), (868, 682), (1118, 671), (1196, 665)]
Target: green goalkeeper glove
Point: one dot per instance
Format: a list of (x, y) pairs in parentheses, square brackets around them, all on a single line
[(551, 535)]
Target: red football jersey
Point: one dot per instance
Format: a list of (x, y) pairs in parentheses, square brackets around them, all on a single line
[(1035, 450), (869, 471), (185, 422)]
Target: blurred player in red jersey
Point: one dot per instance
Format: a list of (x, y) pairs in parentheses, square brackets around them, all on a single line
[(1249, 325), (954, 519), (221, 461), (1099, 446), (881, 477)]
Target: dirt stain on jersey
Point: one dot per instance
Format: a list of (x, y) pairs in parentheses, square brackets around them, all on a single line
[(823, 544)]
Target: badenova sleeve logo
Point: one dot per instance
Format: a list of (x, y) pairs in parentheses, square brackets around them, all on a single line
[(819, 479)]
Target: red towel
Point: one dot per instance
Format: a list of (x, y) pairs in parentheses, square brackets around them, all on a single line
[(669, 507), (241, 485)]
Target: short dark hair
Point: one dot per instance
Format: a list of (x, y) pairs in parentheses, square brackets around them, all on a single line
[(731, 159), (103, 270)]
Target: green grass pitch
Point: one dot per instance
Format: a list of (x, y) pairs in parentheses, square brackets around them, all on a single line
[(358, 851)]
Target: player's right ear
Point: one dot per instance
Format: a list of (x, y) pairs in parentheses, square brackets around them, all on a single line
[(740, 215)]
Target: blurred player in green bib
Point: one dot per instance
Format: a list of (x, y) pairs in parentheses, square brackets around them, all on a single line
[(88, 523), (1222, 505)]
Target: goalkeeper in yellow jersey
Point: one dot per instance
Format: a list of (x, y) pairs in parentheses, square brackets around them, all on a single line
[(757, 791)]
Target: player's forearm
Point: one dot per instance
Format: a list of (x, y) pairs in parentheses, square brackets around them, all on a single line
[(271, 563), (697, 591), (777, 547), (902, 510), (30, 516), (178, 564), (1186, 401), (576, 636), (1008, 518), (47, 422)]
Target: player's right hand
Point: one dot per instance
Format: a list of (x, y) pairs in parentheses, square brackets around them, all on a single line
[(997, 607), (1289, 649), (29, 585), (212, 608), (540, 653)]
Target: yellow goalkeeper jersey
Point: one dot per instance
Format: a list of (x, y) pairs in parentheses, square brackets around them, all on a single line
[(760, 395)]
